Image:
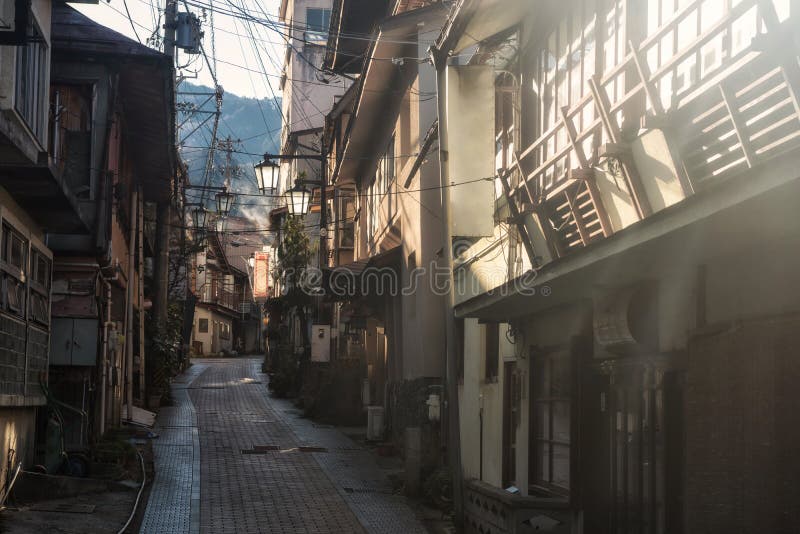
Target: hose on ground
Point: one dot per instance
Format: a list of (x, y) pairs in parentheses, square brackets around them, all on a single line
[(138, 496)]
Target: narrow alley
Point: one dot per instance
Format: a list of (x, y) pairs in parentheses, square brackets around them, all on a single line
[(230, 458)]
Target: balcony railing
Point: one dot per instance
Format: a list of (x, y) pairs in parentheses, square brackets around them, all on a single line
[(727, 98), (221, 297)]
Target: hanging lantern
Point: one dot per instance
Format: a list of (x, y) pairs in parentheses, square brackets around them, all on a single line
[(267, 175), (298, 200), (199, 217), (199, 236), (224, 202)]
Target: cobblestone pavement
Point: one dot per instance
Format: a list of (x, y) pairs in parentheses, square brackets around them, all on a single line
[(174, 500), (262, 467)]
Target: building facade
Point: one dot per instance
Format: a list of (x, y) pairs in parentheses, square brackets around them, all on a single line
[(85, 105), (616, 371)]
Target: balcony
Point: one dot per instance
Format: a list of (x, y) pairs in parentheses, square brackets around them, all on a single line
[(704, 97)]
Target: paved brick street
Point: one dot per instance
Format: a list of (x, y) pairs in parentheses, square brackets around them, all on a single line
[(232, 459)]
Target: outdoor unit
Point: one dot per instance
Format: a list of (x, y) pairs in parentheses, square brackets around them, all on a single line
[(374, 423)]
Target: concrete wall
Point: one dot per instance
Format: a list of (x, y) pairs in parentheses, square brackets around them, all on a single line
[(207, 338)]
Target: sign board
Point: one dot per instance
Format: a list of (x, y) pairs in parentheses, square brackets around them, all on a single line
[(320, 343), (261, 276), (470, 126)]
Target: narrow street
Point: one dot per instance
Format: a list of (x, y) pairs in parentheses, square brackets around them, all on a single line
[(230, 458)]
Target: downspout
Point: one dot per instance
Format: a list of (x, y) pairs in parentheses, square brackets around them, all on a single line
[(129, 307), (104, 353), (439, 60)]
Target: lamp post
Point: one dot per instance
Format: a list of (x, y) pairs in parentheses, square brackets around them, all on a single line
[(199, 218), (267, 175), (224, 202), (298, 198)]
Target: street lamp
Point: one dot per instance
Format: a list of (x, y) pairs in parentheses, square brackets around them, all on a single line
[(224, 202), (251, 261), (267, 173), (199, 217), (298, 200)]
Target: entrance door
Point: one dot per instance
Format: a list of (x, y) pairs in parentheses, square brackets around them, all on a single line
[(631, 447), (510, 422)]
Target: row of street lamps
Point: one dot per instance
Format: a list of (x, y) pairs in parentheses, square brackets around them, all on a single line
[(298, 198)]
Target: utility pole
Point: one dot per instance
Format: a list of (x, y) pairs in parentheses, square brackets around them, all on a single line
[(452, 342), (164, 206)]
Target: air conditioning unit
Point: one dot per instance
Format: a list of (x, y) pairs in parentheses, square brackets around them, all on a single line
[(374, 423)]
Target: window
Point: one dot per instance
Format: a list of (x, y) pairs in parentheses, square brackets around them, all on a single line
[(30, 94), (15, 257), (552, 387), (317, 22), (202, 326), (492, 350), (40, 285)]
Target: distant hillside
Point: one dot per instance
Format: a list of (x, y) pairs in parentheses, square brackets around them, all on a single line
[(253, 125)]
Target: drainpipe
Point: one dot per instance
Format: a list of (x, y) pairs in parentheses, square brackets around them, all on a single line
[(129, 307), (439, 60), (106, 329)]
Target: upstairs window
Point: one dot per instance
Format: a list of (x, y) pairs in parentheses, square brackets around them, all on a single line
[(317, 22), (30, 93)]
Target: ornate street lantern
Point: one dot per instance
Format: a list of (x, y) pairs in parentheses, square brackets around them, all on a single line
[(298, 200), (267, 174), (199, 218), (224, 202)]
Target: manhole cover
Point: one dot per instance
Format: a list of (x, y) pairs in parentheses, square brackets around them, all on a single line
[(309, 448), (64, 508)]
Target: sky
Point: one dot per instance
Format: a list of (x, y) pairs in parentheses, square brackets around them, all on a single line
[(241, 61)]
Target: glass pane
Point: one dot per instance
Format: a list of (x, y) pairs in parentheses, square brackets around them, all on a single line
[(17, 252), (542, 420), (561, 421), (561, 376), (542, 462), (561, 466)]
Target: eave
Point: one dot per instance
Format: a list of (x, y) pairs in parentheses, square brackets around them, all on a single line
[(382, 88)]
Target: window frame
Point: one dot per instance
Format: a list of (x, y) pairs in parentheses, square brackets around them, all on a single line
[(537, 483), (200, 322), (491, 352), (31, 83)]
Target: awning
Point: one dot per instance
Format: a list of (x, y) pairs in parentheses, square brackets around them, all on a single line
[(381, 91), (378, 276)]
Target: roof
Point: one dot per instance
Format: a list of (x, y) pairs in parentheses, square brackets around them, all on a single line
[(350, 21), (382, 88), (472, 21), (71, 30), (146, 91)]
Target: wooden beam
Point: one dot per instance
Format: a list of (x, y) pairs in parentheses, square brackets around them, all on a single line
[(576, 216), (539, 212), (775, 45), (515, 214), (602, 214), (738, 124), (573, 135), (644, 74), (629, 171), (614, 150)]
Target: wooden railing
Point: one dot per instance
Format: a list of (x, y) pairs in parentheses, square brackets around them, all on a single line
[(733, 114)]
